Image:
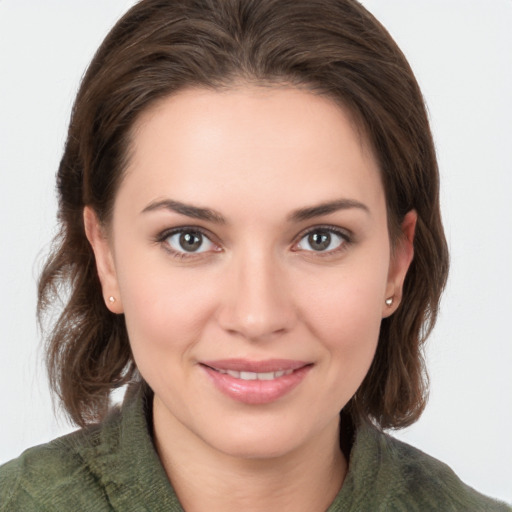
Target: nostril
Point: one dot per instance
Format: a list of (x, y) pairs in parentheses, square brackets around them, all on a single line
[(256, 304)]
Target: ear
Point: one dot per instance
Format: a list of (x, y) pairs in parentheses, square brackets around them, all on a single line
[(97, 237), (401, 258)]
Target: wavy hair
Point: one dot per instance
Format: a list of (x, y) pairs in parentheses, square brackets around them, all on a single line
[(333, 47)]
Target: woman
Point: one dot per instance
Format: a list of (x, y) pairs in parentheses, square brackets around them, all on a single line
[(251, 238)]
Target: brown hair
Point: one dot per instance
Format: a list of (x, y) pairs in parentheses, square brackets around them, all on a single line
[(334, 47)]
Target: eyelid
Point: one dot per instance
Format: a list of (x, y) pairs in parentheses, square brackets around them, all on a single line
[(345, 234), (166, 233)]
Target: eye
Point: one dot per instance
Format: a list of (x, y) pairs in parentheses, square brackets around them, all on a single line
[(322, 240), (189, 241)]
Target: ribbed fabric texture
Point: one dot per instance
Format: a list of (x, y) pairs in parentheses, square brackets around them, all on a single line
[(114, 467)]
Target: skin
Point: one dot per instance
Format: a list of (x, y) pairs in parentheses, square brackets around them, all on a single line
[(256, 289)]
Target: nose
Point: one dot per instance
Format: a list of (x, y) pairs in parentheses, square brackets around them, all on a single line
[(257, 301)]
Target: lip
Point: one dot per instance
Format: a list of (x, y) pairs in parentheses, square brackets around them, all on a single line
[(256, 392), (244, 365)]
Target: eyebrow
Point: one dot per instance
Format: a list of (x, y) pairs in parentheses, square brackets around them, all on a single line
[(209, 215), (187, 210), (326, 208)]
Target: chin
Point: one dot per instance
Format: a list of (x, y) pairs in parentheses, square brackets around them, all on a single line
[(265, 437), (257, 445)]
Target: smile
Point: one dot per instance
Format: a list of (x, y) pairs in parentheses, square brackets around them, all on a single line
[(256, 376), (256, 382)]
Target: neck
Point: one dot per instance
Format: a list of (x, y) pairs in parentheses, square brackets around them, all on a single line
[(305, 479)]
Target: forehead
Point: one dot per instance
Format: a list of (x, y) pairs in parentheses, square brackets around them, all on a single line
[(262, 144)]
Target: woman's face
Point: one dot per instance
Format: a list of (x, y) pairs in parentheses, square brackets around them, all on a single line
[(249, 253)]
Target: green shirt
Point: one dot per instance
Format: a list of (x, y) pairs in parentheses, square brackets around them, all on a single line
[(114, 467)]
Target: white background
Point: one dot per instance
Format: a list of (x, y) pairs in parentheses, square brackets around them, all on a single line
[(461, 52)]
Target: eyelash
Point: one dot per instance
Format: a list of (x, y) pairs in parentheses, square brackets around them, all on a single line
[(165, 235), (343, 234)]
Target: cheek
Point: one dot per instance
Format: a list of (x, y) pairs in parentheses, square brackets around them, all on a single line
[(165, 310), (346, 300), (347, 324), (344, 312)]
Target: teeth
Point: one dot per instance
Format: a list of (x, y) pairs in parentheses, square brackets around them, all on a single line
[(267, 376), (256, 376)]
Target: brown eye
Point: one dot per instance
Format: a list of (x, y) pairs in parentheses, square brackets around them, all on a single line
[(188, 241), (321, 240)]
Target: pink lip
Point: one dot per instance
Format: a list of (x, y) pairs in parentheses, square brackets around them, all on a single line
[(256, 392), (243, 365)]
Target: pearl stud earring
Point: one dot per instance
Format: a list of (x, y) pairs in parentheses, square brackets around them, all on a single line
[(111, 299), (389, 302)]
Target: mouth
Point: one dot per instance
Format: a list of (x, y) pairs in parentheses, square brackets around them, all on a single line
[(255, 375), (256, 382)]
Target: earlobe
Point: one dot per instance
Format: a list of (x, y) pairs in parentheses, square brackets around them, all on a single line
[(104, 260), (402, 256)]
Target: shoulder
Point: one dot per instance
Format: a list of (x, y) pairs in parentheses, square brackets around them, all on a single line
[(109, 466), (54, 476), (407, 476)]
